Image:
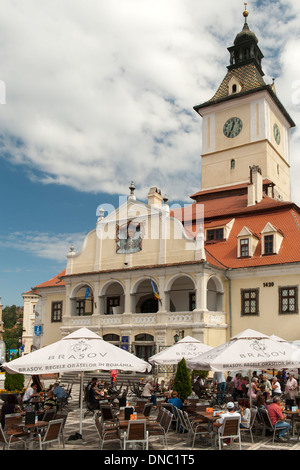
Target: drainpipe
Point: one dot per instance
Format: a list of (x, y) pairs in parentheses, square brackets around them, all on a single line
[(230, 305)]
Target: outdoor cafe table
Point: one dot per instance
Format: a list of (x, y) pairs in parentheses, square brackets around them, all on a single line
[(292, 415), (34, 427), (123, 423), (207, 417)]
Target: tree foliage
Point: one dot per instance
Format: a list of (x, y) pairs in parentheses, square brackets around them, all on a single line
[(182, 381)]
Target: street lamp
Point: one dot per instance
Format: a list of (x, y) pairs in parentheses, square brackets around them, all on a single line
[(178, 335)]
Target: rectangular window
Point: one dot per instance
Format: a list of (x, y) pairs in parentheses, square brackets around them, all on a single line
[(80, 307), (249, 300), (56, 312), (288, 299), (112, 302), (192, 302), (244, 247), (268, 241), (216, 234)]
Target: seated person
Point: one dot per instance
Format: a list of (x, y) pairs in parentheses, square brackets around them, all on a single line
[(94, 395), (245, 414), (230, 412), (199, 387), (176, 401), (59, 392), (9, 407), (148, 392), (30, 393), (50, 402), (278, 419)]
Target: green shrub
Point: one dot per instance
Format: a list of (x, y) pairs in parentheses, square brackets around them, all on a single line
[(14, 382), (182, 381)]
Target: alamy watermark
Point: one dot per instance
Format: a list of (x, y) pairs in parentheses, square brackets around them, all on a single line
[(130, 224)]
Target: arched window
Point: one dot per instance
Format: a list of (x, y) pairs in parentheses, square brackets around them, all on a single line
[(144, 337), (234, 88), (232, 164), (111, 337)]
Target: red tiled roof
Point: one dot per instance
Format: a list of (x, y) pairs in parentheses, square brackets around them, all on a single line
[(230, 205), (54, 281), (286, 221)]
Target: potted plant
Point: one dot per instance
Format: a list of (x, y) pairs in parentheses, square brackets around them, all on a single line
[(182, 381)]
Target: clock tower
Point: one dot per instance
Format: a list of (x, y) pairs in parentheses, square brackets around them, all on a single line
[(245, 124)]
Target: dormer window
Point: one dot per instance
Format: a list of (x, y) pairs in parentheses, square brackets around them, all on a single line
[(271, 240), (247, 243), (234, 86), (215, 234), (268, 244), (218, 232), (244, 247)]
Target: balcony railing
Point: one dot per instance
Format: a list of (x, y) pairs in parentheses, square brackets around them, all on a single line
[(175, 319)]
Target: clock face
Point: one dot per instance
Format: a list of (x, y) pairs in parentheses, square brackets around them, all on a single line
[(232, 127), (276, 133)]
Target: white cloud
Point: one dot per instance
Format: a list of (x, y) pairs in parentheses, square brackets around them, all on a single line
[(43, 245), (101, 93)]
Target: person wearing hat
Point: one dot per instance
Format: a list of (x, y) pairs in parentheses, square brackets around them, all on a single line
[(230, 412)]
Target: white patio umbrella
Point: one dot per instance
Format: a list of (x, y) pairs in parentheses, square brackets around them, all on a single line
[(187, 348), (247, 350), (82, 350)]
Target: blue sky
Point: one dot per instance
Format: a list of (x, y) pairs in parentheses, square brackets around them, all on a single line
[(100, 95)]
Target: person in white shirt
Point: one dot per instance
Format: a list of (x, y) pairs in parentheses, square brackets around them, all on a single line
[(148, 392), (276, 389), (30, 393), (230, 412)]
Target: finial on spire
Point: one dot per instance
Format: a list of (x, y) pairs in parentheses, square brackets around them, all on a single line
[(132, 189), (245, 12)]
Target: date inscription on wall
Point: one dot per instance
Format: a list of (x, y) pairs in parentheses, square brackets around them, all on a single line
[(268, 284)]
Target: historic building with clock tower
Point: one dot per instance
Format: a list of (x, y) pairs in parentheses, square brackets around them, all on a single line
[(227, 262), (245, 124)]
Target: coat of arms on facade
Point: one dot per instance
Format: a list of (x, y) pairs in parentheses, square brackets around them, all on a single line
[(129, 237)]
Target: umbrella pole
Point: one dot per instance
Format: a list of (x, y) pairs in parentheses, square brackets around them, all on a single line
[(250, 393), (81, 401)]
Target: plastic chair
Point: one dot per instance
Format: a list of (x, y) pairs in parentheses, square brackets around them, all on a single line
[(106, 434), (136, 433), (230, 430)]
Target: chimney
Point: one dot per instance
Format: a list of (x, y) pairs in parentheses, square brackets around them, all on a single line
[(155, 197), (255, 187)]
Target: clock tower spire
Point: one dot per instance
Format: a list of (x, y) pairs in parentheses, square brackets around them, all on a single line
[(245, 124)]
